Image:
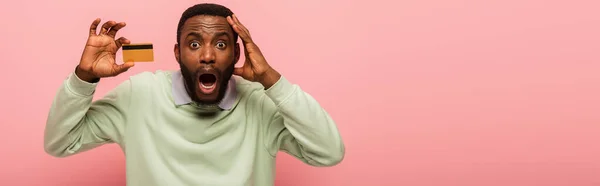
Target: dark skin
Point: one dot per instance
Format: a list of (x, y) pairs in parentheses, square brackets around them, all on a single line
[(98, 58), (206, 46)]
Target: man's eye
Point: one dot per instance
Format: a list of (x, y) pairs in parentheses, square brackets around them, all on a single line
[(221, 45), (194, 45)]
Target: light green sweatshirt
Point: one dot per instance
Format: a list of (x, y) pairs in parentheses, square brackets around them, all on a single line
[(166, 144)]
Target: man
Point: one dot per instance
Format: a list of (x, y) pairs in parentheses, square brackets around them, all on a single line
[(198, 125)]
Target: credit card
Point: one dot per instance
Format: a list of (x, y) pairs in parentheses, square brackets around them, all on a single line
[(138, 52)]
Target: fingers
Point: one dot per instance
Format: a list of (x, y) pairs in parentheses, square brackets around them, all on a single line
[(113, 30), (240, 29), (243, 33), (237, 21), (121, 41), (238, 71), (109, 28), (234, 25), (124, 67), (246, 52), (106, 26), (94, 26)]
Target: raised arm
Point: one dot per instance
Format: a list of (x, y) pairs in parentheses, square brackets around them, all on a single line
[(75, 123), (295, 122), (300, 127)]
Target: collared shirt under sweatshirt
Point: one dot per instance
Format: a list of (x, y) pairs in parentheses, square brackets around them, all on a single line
[(168, 140)]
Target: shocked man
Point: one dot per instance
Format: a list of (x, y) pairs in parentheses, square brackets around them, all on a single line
[(208, 123)]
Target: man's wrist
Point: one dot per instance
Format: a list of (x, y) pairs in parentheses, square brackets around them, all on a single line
[(269, 78), (79, 86), (87, 77)]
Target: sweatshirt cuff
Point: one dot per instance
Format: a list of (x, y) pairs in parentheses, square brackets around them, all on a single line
[(280, 91), (80, 87)]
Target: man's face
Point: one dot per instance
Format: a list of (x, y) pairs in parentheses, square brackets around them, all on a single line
[(207, 55)]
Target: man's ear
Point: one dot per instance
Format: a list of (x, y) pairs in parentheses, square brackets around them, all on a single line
[(176, 51), (236, 53)]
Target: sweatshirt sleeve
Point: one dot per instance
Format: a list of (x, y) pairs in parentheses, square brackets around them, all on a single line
[(76, 124), (299, 126)]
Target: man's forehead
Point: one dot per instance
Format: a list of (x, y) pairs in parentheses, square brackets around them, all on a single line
[(204, 22)]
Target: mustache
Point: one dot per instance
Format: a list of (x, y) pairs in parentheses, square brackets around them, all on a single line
[(208, 69), (190, 73)]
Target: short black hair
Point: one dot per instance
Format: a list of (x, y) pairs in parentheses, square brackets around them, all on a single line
[(204, 9)]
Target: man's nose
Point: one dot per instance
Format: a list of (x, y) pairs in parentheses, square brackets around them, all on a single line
[(207, 55)]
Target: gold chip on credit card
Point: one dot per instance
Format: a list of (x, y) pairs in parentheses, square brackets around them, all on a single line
[(139, 52)]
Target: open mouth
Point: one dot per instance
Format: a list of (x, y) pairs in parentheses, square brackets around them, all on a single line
[(208, 83)]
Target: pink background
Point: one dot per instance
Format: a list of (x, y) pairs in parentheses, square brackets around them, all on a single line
[(429, 92)]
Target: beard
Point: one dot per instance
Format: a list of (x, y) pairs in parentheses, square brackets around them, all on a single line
[(192, 81)]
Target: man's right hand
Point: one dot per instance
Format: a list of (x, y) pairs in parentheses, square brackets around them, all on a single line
[(98, 58)]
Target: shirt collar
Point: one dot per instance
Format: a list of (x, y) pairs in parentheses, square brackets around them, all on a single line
[(181, 97)]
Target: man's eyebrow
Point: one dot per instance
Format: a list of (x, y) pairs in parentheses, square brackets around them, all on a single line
[(219, 34), (194, 34), (216, 35)]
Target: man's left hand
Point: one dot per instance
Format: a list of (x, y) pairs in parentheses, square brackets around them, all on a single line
[(256, 67)]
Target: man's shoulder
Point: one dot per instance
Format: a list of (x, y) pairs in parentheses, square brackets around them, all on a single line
[(147, 79), (252, 93), (150, 76), (244, 86)]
